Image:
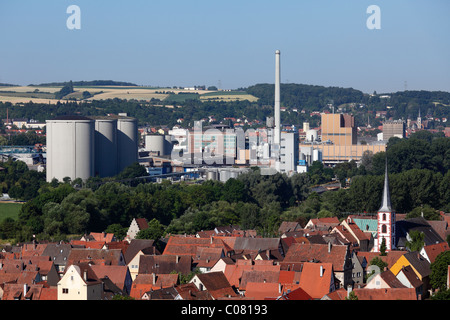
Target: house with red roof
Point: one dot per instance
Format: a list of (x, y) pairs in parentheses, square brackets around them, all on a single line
[(385, 279), (325, 224), (205, 258), (317, 279), (338, 255), (354, 235), (150, 282), (385, 294), (234, 272), (431, 252), (297, 294), (215, 283), (18, 291), (119, 275), (409, 279), (263, 291)]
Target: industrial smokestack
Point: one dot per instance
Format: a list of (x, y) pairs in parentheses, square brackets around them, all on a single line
[(277, 133)]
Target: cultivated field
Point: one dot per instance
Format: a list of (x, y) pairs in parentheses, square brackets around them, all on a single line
[(228, 96), (46, 94)]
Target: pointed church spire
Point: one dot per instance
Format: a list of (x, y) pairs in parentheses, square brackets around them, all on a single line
[(386, 202)]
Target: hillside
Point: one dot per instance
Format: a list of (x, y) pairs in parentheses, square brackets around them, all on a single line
[(87, 83)]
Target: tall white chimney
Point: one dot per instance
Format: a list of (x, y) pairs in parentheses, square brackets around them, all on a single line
[(277, 133)]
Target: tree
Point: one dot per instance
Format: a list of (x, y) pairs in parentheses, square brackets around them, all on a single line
[(439, 270), (417, 240), (118, 231), (426, 211), (383, 248), (67, 89), (8, 228), (377, 261), (133, 171), (352, 296), (155, 231)]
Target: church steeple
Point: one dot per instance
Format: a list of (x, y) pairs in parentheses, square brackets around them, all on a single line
[(386, 202), (386, 220)]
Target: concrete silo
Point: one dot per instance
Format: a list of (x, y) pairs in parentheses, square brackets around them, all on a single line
[(127, 142), (70, 148), (155, 143), (105, 146)]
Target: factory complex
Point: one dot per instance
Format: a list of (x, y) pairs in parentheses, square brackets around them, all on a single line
[(94, 146)]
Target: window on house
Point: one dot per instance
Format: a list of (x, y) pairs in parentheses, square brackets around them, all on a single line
[(65, 290), (383, 228), (384, 216)]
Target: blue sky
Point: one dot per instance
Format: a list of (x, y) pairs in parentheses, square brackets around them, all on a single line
[(199, 42)]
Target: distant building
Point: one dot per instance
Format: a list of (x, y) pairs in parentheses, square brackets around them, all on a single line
[(338, 141), (289, 152), (394, 128), (340, 129)]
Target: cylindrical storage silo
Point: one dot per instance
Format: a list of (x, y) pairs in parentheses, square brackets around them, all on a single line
[(234, 174), (105, 146), (316, 155), (168, 145), (211, 175), (311, 135), (127, 142), (70, 148), (224, 175), (155, 143)]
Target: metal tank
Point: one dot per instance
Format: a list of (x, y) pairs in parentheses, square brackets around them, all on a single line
[(105, 146), (224, 175), (127, 142), (70, 148), (211, 175), (155, 143), (311, 135)]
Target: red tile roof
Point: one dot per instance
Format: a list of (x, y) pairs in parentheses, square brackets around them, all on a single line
[(117, 274), (317, 279), (262, 291), (102, 236), (147, 282), (179, 245), (386, 294), (434, 250), (391, 257), (299, 253), (297, 294)]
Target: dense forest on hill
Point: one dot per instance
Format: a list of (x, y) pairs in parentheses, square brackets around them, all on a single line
[(87, 83), (316, 98), (418, 172), (400, 105)]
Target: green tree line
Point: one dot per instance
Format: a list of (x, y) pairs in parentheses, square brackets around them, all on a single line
[(252, 200)]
